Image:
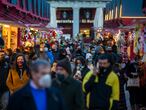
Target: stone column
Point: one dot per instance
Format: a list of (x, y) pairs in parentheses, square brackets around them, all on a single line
[(98, 20), (76, 21), (53, 18)]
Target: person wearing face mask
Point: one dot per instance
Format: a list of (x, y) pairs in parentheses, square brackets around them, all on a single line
[(38, 93), (102, 86), (18, 75), (78, 52), (62, 54), (55, 52), (70, 88), (100, 50), (49, 55), (44, 54), (80, 66)]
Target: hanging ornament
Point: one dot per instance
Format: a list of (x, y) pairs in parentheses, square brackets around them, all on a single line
[(64, 15), (29, 36), (54, 34), (87, 14)]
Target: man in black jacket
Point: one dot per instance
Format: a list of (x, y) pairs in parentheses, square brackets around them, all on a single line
[(37, 94), (70, 88), (102, 86)]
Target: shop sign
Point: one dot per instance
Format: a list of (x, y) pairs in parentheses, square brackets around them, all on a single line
[(64, 21), (86, 21)]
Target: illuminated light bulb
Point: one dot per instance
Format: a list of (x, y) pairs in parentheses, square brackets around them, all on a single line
[(7, 26)]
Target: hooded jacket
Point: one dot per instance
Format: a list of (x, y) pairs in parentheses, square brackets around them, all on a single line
[(102, 91), (71, 89)]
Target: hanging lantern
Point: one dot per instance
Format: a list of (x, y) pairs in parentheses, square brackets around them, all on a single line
[(87, 14), (54, 34), (64, 15)]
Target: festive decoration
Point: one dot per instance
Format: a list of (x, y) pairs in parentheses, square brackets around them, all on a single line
[(144, 35)]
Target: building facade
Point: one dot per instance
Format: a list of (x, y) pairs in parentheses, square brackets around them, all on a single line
[(123, 12), (25, 11), (77, 16), (18, 14), (86, 20)]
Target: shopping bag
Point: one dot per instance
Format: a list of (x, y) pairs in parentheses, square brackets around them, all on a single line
[(133, 82)]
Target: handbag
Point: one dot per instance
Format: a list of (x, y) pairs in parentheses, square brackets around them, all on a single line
[(133, 82)]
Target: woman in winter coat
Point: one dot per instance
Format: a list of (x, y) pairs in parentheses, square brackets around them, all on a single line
[(19, 75)]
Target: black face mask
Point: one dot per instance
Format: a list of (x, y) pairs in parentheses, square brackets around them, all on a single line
[(102, 69), (60, 77), (116, 69)]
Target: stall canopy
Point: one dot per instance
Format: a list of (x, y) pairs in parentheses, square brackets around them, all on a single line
[(116, 23)]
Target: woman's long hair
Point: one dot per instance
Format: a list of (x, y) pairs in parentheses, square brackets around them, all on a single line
[(83, 62), (25, 66), (82, 59)]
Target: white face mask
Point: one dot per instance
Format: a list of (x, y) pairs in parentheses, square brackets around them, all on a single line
[(45, 81), (123, 65), (93, 52), (45, 49)]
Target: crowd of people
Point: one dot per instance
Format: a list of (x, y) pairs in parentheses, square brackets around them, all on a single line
[(71, 75)]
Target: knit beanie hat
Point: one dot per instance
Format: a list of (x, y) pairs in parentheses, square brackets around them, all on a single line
[(66, 65)]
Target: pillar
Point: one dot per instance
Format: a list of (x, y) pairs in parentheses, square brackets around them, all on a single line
[(53, 20), (98, 20), (76, 21)]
